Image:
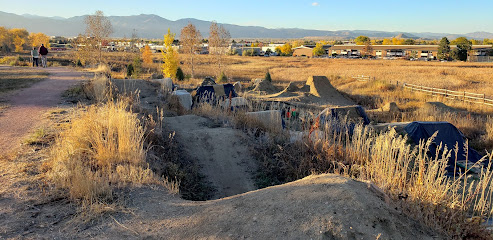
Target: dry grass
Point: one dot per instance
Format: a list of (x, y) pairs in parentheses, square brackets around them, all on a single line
[(100, 148), (19, 77)]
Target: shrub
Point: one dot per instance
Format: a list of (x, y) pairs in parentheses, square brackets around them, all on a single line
[(180, 76), (130, 70), (222, 78), (267, 77), (137, 64)]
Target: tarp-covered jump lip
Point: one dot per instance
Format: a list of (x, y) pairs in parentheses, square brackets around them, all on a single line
[(211, 93), (447, 134)]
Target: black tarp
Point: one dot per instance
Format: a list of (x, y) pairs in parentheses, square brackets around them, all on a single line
[(206, 93), (448, 135)]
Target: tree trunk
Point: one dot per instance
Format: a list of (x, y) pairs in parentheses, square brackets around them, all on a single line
[(191, 62)]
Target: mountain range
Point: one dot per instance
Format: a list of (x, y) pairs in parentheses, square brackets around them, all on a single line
[(154, 27)]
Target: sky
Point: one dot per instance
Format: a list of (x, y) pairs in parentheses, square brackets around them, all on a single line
[(438, 16)]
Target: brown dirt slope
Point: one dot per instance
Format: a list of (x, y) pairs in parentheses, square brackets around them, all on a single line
[(222, 152), (316, 207)]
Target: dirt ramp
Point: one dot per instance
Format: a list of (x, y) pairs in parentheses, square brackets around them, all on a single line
[(316, 207), (222, 153), (264, 86), (321, 87)]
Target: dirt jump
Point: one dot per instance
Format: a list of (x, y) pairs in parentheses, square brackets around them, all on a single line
[(28, 105), (317, 90), (316, 207), (222, 153)]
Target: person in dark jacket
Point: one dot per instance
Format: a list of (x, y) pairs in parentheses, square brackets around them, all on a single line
[(43, 51)]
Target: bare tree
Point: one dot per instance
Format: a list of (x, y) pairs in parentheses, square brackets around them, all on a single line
[(190, 40), (219, 39), (98, 28)]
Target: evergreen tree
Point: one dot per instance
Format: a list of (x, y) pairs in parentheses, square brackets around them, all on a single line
[(267, 77), (180, 76), (444, 49)]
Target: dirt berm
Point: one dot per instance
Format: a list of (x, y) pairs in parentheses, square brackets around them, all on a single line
[(316, 207)]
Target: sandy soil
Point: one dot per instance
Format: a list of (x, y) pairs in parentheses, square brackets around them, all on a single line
[(27, 106), (222, 153)]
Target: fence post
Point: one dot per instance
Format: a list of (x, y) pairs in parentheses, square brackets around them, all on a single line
[(484, 98), (464, 99), (432, 91)]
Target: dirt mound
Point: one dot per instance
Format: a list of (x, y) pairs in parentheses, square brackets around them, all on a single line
[(438, 106), (292, 88), (391, 107), (317, 91), (265, 86), (222, 153), (316, 207), (321, 87), (208, 81)]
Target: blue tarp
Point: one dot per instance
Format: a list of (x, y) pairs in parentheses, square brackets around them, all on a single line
[(206, 93), (448, 135)]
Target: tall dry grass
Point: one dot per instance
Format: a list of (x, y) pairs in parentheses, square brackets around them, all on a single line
[(101, 148)]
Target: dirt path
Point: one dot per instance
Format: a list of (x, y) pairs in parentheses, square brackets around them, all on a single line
[(27, 106), (222, 153)]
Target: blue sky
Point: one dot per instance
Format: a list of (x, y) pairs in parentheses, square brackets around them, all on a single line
[(440, 16)]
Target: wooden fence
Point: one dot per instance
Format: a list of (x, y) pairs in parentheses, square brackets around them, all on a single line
[(458, 95)]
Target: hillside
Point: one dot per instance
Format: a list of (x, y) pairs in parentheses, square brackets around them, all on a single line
[(154, 26)]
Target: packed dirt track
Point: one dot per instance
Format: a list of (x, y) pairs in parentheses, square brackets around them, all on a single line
[(27, 106), (222, 153)]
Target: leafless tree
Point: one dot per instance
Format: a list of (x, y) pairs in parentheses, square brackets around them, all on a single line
[(190, 39), (219, 39), (98, 28)]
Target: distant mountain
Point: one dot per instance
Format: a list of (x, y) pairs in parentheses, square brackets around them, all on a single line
[(153, 26), (406, 35)]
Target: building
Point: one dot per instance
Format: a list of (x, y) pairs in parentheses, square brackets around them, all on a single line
[(428, 52), (307, 50)]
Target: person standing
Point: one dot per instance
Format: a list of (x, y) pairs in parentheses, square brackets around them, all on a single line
[(35, 56), (43, 51)]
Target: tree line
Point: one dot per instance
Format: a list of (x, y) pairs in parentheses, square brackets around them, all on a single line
[(19, 39)]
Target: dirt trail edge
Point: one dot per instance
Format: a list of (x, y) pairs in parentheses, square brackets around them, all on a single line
[(222, 153), (28, 105)]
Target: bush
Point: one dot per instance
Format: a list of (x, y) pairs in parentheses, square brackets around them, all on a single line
[(104, 145), (180, 76), (248, 52), (267, 77), (79, 63), (222, 78), (130, 70), (137, 64)]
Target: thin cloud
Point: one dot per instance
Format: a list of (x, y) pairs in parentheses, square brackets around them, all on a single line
[(315, 4)]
